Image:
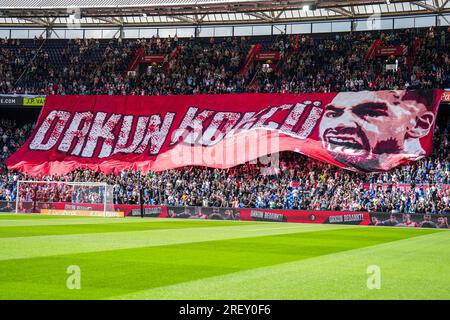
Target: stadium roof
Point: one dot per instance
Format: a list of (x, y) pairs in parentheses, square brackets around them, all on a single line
[(130, 13)]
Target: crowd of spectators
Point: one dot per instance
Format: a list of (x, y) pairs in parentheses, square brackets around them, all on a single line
[(197, 68), (293, 182), (308, 63), (12, 136), (75, 66), (341, 63)]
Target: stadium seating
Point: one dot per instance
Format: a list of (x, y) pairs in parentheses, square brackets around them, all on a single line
[(299, 183), (336, 62), (308, 63)]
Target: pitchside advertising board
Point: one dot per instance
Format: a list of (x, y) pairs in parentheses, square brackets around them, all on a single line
[(300, 216), (361, 131), (21, 101), (203, 213), (67, 208), (237, 214), (303, 216)]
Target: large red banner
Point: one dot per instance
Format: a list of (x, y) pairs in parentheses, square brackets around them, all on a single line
[(363, 131)]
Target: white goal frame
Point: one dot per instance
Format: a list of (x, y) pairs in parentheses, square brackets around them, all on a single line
[(108, 206)]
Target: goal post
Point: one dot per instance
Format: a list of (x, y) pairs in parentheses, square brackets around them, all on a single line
[(65, 198)]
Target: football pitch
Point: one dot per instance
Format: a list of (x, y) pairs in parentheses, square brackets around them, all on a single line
[(43, 257)]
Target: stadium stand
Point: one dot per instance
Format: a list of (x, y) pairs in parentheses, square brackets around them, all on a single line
[(300, 183), (317, 63), (305, 63)]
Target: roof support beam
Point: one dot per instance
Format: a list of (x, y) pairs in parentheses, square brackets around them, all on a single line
[(445, 18), (435, 9), (261, 15), (341, 11), (264, 11), (426, 6), (111, 20), (279, 14), (38, 21), (200, 19), (184, 19)]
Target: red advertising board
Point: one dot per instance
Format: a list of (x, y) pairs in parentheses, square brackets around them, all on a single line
[(301, 216), (153, 58), (264, 56), (392, 50)]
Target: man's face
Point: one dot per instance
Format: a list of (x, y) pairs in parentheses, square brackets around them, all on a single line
[(356, 127)]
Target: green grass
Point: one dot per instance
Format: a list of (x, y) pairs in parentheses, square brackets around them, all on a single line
[(136, 258), (100, 227)]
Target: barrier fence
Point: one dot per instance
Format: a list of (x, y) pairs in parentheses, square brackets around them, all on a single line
[(244, 214)]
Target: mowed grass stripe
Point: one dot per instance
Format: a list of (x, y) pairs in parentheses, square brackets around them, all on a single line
[(413, 268), (131, 270), (32, 216), (101, 227), (64, 221), (39, 246)]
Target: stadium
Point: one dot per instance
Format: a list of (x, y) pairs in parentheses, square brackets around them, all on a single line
[(224, 150)]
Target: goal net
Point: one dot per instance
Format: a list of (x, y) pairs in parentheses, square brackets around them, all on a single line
[(65, 198)]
